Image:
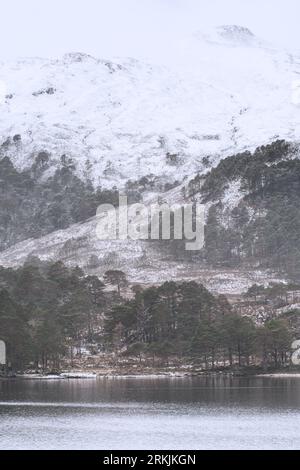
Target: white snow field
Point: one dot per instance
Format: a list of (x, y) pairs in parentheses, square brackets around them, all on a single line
[(118, 119)]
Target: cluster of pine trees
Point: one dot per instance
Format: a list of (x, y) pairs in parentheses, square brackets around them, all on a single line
[(186, 321), (47, 308), (32, 206), (44, 309), (264, 227)]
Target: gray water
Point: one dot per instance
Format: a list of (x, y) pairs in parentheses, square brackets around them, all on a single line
[(150, 413)]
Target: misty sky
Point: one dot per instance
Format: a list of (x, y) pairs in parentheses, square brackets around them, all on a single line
[(150, 29)]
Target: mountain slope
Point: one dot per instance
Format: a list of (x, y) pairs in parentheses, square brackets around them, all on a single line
[(75, 125), (143, 262), (126, 119), (252, 208)]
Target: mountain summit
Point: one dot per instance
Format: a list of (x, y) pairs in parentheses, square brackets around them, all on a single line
[(122, 119)]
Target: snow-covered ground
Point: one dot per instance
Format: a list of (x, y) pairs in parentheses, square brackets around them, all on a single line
[(142, 261), (118, 119), (123, 119)]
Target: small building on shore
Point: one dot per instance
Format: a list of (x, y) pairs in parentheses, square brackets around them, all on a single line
[(2, 355)]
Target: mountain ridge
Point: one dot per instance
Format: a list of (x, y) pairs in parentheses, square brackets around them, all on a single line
[(121, 119)]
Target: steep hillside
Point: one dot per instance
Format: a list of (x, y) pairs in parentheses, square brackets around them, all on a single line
[(251, 232), (76, 130), (125, 119)]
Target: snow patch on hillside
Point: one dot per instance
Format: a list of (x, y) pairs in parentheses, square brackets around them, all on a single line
[(232, 195)]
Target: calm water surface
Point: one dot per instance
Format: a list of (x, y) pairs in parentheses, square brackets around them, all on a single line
[(146, 413)]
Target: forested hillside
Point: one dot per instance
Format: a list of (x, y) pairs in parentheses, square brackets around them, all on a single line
[(254, 209), (48, 312)]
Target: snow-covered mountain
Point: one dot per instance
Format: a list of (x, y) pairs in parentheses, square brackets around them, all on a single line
[(121, 120)]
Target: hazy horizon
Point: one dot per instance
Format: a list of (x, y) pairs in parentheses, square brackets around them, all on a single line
[(143, 29)]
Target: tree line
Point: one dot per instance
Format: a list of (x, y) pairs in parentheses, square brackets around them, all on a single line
[(48, 308), (45, 308), (185, 320), (263, 229), (32, 206)]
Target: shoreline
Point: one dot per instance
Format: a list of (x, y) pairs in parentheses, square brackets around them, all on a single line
[(279, 375), (81, 375)]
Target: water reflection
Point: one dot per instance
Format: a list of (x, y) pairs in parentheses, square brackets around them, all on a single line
[(216, 412)]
